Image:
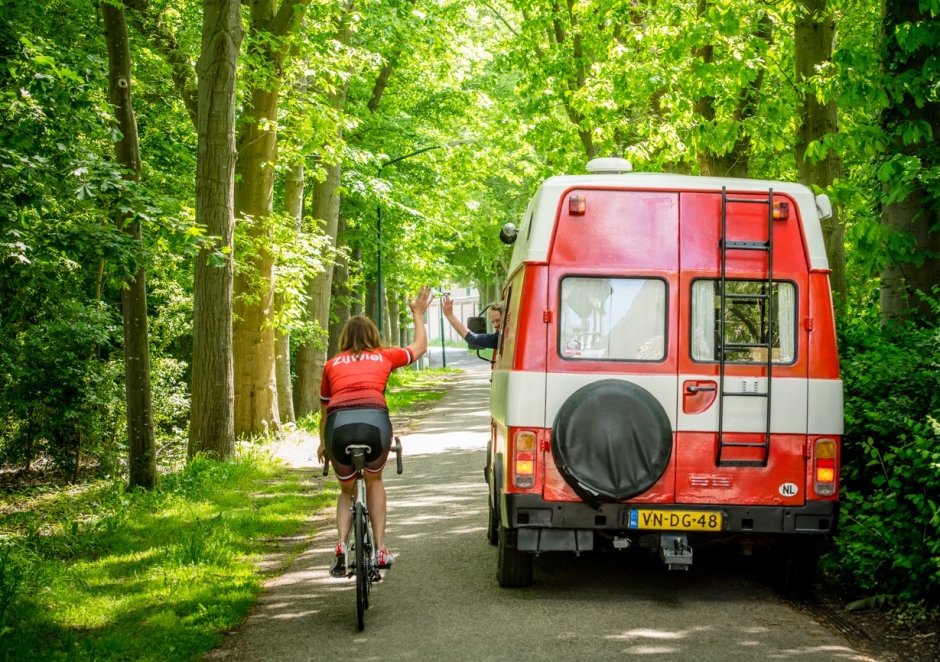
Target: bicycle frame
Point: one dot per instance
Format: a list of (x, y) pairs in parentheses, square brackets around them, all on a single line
[(358, 453), (361, 553)]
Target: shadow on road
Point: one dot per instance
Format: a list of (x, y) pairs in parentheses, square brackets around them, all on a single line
[(440, 601)]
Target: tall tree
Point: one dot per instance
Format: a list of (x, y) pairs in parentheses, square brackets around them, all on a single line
[(723, 138), (293, 207), (211, 427), (311, 357), (140, 436), (911, 62), (256, 403), (817, 118)]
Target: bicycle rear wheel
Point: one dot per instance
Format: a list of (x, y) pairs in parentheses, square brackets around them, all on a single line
[(362, 572)]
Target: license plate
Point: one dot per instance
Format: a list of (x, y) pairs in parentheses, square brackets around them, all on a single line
[(675, 520)]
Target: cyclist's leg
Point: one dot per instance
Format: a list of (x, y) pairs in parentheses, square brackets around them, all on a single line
[(336, 441), (376, 502), (344, 507)]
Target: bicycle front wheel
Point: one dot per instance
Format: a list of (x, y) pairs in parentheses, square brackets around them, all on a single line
[(362, 572)]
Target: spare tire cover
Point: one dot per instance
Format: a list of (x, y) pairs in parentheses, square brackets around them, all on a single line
[(611, 441)]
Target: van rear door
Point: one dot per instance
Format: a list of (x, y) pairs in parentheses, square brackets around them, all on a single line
[(743, 468), (613, 298)]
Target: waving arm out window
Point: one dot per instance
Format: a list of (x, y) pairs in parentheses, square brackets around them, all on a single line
[(613, 319), (746, 320)]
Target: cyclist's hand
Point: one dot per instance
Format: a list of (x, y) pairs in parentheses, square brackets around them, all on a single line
[(321, 453), (421, 302)]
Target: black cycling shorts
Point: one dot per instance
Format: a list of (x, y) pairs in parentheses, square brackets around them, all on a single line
[(358, 426)]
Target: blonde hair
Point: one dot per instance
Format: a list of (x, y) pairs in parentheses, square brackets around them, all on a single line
[(359, 334), (498, 307)]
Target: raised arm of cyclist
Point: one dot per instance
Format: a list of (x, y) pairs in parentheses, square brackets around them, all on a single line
[(352, 397), (418, 305)]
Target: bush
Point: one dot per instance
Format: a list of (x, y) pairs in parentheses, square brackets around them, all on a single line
[(889, 539)]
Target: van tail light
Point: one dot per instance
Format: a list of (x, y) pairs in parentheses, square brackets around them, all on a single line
[(825, 469), (781, 210), (523, 460)]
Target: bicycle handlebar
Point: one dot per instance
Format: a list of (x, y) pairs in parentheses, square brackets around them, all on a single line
[(326, 466), (397, 448)]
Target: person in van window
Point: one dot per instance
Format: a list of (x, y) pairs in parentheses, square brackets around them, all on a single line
[(481, 340), (352, 396)]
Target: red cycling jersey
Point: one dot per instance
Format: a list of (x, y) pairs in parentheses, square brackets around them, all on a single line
[(356, 382)]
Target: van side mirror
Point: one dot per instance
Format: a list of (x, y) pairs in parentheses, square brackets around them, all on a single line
[(823, 206), (476, 324), (508, 233)]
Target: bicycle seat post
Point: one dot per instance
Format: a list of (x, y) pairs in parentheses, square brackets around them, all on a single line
[(357, 454)]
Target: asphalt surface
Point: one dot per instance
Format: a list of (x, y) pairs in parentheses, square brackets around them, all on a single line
[(440, 601)]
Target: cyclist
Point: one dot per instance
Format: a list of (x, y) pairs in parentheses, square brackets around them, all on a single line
[(482, 340), (352, 399)]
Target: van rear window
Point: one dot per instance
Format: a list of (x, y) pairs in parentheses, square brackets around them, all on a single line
[(747, 316), (612, 319)]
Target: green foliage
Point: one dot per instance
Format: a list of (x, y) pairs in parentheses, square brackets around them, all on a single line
[(103, 573), (889, 539)]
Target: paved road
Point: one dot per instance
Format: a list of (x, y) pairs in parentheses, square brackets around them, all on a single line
[(441, 602)]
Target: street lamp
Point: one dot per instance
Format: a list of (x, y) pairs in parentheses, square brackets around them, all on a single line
[(453, 143), (443, 347)]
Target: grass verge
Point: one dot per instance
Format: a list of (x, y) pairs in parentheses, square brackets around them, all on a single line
[(94, 572), (99, 573)]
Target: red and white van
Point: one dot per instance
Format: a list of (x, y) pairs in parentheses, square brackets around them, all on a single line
[(668, 372)]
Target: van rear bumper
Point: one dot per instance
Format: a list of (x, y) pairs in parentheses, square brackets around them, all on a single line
[(531, 511)]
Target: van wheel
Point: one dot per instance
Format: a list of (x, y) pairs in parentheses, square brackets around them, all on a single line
[(514, 569), (492, 529), (797, 563)]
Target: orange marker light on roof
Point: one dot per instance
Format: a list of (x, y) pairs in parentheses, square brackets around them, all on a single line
[(577, 205)]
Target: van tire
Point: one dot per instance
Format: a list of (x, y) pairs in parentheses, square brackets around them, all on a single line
[(492, 529), (797, 561), (514, 568)]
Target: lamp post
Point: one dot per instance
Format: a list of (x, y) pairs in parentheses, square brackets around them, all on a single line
[(443, 347), (378, 215)]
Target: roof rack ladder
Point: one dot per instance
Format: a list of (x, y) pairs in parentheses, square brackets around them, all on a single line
[(768, 247)]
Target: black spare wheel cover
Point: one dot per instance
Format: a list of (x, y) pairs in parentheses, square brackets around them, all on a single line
[(611, 440)]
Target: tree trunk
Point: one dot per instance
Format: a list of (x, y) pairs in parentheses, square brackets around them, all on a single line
[(814, 35), (151, 24), (311, 358), (900, 282), (394, 323), (293, 205), (372, 301), (913, 101), (735, 161), (339, 300), (141, 445), (256, 400), (211, 427), (355, 265)]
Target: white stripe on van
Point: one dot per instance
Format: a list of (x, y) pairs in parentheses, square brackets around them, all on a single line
[(532, 399), (825, 405)]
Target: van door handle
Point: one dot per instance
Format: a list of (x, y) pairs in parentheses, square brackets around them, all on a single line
[(695, 389)]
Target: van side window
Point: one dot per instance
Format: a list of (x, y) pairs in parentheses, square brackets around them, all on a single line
[(506, 321), (613, 319), (746, 317)]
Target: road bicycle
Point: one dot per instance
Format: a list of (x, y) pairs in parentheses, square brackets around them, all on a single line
[(361, 554)]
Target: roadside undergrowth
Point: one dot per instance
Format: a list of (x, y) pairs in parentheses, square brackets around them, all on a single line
[(97, 572), (100, 573)]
